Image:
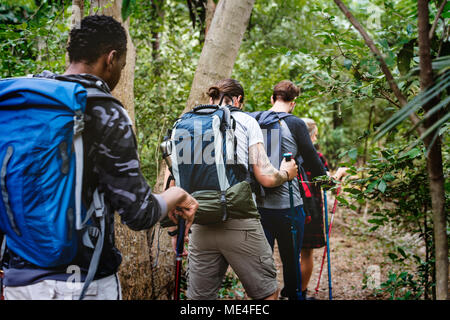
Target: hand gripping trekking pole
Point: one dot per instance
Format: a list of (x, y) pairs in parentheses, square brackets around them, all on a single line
[(294, 231), (329, 233), (166, 149), (179, 249), (179, 258)]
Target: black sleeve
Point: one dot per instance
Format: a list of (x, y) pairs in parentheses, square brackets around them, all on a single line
[(305, 147), (113, 151)]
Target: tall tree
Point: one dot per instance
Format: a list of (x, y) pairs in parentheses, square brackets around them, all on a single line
[(210, 9), (157, 19), (221, 47), (434, 155)]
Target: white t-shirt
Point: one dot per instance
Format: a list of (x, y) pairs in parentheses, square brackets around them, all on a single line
[(248, 133)]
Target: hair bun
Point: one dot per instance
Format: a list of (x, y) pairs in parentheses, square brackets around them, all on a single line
[(214, 93)]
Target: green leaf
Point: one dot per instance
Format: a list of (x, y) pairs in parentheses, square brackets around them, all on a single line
[(127, 8), (413, 153), (446, 11), (342, 200), (378, 222), (402, 252), (353, 153), (394, 257), (382, 186), (371, 186), (405, 56), (348, 64), (409, 29), (414, 105)]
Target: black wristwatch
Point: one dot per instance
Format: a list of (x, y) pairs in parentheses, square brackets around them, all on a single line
[(173, 233)]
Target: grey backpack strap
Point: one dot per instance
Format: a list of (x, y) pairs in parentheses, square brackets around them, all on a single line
[(220, 163), (2, 249), (79, 158), (97, 207)]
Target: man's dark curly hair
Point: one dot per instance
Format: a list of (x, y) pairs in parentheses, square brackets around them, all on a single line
[(95, 36)]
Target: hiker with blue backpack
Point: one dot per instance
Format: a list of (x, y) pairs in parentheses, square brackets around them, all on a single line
[(281, 220), (69, 161), (213, 148)]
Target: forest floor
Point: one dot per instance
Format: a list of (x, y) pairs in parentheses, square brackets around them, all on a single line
[(353, 257), (357, 256)]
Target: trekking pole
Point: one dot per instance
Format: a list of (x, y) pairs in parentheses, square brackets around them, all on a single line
[(329, 232), (166, 150), (328, 244), (1, 285), (288, 156), (179, 257)]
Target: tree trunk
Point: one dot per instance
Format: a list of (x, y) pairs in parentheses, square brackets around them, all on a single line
[(124, 89), (434, 157), (77, 15), (210, 9), (157, 17), (221, 47), (366, 140), (337, 116)]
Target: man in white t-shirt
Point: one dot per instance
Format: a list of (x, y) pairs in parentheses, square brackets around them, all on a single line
[(239, 243)]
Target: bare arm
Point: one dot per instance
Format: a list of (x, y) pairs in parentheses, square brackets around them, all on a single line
[(265, 173)]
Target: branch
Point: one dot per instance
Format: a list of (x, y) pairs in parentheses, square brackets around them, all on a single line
[(390, 79), (386, 96), (436, 19)]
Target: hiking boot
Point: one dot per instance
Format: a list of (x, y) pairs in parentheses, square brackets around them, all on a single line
[(283, 295), (305, 296)]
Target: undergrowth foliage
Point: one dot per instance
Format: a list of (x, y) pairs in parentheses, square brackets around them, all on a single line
[(342, 89), (394, 186)]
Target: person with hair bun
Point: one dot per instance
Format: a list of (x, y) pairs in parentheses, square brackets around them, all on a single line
[(237, 242)]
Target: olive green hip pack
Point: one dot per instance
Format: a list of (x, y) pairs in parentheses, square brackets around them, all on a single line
[(239, 204)]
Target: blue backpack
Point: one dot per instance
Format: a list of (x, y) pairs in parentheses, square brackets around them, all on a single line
[(41, 173), (204, 163), (269, 121), (204, 143)]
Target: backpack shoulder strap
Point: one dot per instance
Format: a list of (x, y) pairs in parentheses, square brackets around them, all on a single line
[(96, 93), (256, 114), (97, 207), (234, 109), (203, 109)]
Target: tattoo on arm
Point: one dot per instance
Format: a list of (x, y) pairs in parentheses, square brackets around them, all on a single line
[(258, 156)]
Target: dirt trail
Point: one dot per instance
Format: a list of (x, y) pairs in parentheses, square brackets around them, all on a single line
[(354, 256)]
